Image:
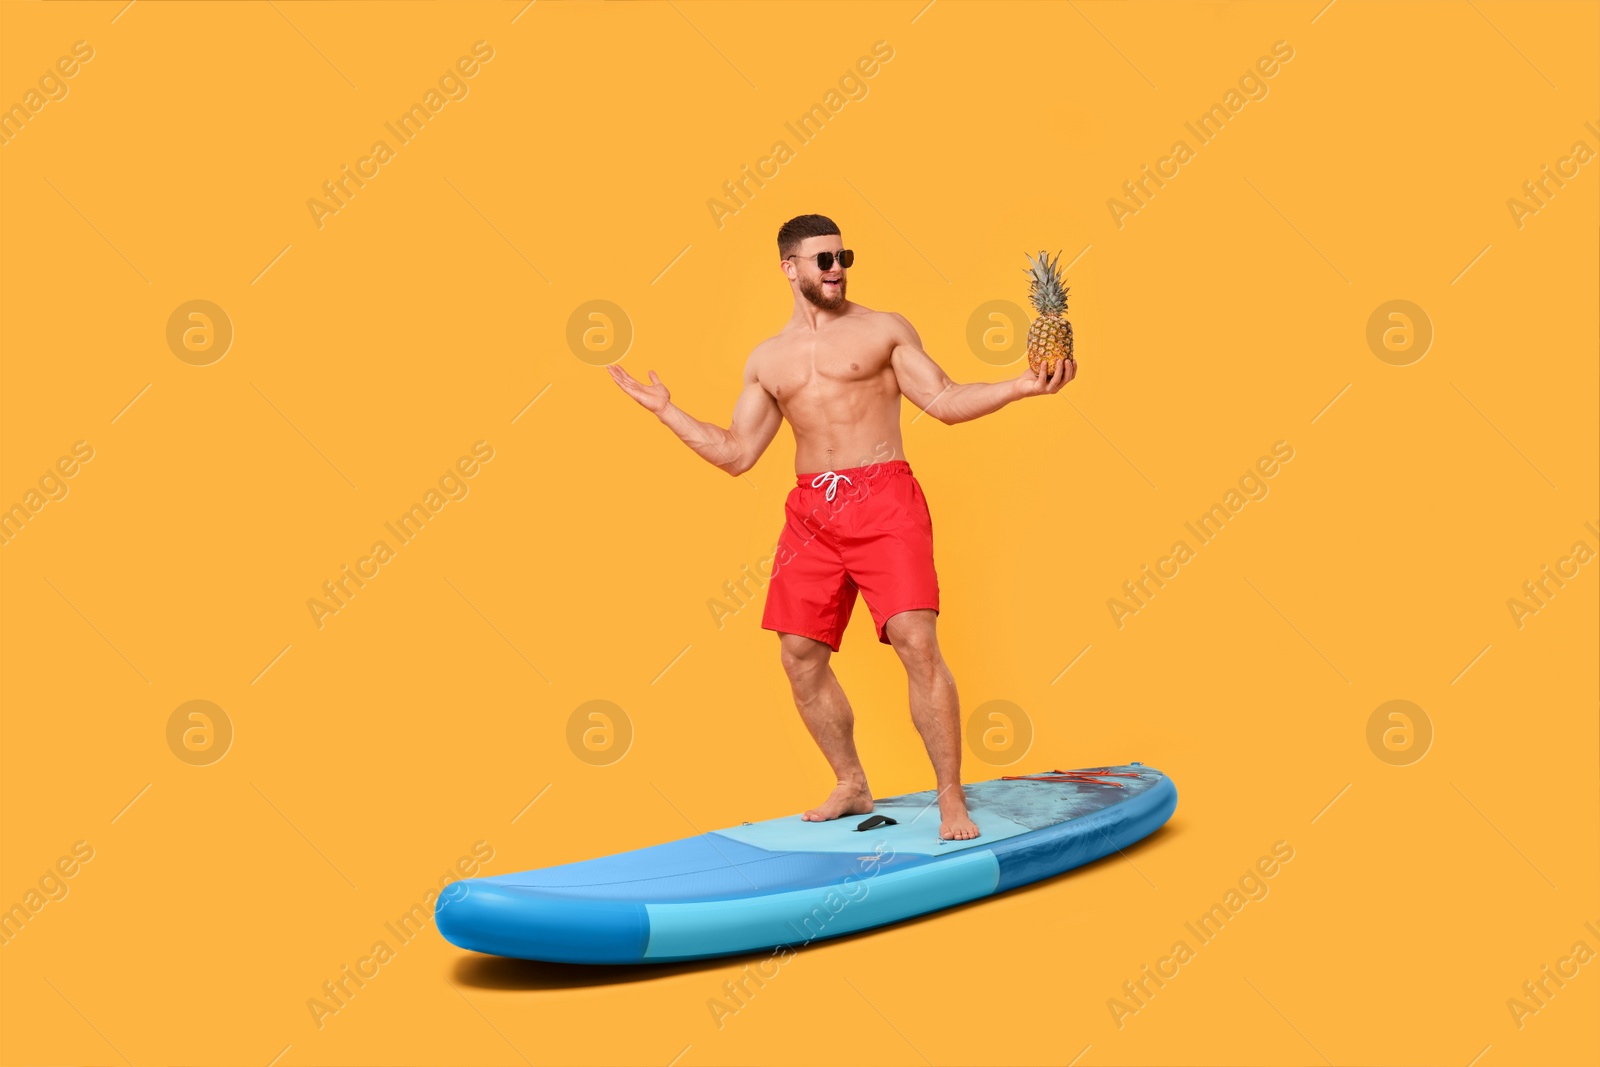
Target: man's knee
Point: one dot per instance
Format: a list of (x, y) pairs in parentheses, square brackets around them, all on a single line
[(914, 637), (803, 656)]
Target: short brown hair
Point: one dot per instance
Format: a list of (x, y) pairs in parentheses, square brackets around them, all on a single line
[(797, 229)]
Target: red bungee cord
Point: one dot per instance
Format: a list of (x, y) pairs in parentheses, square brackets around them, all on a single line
[(1088, 777)]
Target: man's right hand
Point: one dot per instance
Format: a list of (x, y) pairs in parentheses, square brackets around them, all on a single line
[(654, 398)]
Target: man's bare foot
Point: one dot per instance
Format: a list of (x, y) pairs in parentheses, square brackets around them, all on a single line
[(954, 822), (847, 798)]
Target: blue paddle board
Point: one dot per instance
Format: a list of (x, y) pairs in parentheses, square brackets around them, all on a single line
[(789, 882)]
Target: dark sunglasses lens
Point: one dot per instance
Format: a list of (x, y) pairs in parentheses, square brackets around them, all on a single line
[(846, 258), (824, 260)]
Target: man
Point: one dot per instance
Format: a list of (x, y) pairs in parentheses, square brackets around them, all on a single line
[(837, 371)]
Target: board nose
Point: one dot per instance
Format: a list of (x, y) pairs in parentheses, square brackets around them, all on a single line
[(526, 923)]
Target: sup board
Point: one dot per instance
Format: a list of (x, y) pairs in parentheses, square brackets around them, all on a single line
[(786, 881)]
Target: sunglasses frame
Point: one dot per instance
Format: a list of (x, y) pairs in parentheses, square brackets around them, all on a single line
[(840, 254)]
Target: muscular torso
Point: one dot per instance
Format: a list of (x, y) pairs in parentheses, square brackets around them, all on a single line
[(837, 389)]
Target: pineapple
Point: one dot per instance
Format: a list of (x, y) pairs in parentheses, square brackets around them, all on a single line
[(1050, 336)]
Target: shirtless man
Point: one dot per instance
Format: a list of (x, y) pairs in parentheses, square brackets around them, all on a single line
[(837, 371)]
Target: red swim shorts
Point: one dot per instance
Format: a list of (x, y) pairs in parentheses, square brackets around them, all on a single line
[(865, 528)]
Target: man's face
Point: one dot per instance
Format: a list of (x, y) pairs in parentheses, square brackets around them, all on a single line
[(824, 288)]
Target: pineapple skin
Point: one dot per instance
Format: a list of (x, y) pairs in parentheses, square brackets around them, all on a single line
[(1050, 334), (1049, 342)]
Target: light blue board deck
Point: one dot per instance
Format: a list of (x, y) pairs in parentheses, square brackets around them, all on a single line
[(788, 882)]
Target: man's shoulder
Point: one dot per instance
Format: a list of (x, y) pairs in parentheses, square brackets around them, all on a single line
[(888, 320), (765, 348), (894, 326), (873, 315), (871, 320), (761, 355)]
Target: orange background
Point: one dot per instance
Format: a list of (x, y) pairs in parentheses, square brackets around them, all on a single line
[(1229, 312)]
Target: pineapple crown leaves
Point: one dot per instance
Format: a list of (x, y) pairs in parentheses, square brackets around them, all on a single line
[(1045, 290)]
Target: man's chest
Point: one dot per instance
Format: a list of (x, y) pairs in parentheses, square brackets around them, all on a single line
[(826, 364)]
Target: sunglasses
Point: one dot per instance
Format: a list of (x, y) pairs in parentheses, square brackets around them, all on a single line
[(825, 259)]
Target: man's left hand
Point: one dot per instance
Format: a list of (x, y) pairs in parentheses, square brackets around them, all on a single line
[(1038, 383)]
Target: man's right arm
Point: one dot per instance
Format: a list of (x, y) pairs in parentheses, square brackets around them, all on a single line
[(755, 423)]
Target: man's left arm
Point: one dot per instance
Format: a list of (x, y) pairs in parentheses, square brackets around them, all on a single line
[(926, 385)]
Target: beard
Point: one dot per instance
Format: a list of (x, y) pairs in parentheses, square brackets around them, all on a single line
[(821, 297)]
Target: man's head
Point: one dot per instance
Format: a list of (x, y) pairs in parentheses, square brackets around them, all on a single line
[(799, 241)]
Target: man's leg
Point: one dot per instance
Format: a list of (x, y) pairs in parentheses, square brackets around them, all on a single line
[(936, 710), (826, 712)]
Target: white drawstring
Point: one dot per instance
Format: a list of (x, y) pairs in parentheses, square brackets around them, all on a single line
[(833, 485)]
